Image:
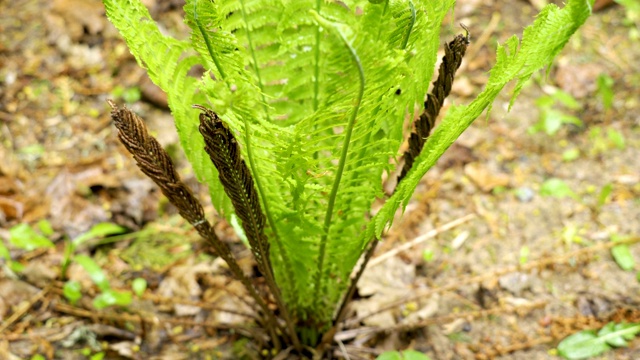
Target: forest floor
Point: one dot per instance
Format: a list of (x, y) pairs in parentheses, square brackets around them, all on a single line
[(526, 262)]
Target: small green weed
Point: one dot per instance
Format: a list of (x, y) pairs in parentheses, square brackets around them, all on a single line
[(605, 90), (23, 236), (589, 343), (553, 112), (404, 355)]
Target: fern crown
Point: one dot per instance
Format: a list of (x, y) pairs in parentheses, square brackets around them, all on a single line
[(316, 94)]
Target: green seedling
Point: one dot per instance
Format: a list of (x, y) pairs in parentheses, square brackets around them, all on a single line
[(107, 296), (589, 343), (25, 237), (22, 236), (604, 194), (72, 290), (622, 254), (139, 286), (524, 255), (602, 143), (605, 90), (623, 257), (129, 95), (97, 231), (428, 255), (557, 188), (571, 154)]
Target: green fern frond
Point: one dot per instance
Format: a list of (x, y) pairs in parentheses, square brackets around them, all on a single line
[(541, 42)]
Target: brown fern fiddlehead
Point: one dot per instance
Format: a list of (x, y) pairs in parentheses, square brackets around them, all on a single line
[(154, 162), (454, 51), (236, 179)]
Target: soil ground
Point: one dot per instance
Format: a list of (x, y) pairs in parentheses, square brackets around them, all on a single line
[(518, 272)]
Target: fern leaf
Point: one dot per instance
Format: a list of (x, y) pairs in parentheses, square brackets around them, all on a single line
[(555, 26)]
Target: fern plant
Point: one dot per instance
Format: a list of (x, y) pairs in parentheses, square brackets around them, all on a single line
[(302, 106)]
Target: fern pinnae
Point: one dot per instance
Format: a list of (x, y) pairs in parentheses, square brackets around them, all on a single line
[(381, 24), (316, 69), (342, 161), (256, 66), (412, 22)]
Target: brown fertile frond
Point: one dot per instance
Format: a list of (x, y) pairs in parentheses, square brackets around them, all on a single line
[(154, 161), (237, 182), (454, 52), (224, 151)]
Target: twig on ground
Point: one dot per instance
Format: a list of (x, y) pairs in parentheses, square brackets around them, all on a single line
[(24, 308), (420, 239), (79, 312), (350, 334), (482, 39), (201, 304), (343, 350)]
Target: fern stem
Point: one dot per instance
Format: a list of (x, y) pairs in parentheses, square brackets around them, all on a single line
[(410, 27), (207, 41), (381, 22), (285, 258), (256, 68), (343, 160), (316, 70)]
